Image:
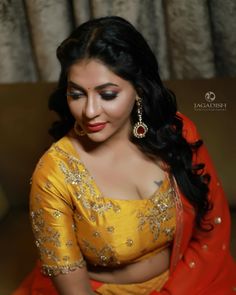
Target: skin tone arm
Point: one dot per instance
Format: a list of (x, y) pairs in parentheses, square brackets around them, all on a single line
[(73, 283)]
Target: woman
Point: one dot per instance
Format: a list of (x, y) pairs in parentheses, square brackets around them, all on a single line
[(127, 201)]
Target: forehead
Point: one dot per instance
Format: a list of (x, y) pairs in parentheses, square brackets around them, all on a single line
[(90, 73)]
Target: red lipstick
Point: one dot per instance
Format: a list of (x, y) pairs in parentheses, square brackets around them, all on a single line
[(96, 127)]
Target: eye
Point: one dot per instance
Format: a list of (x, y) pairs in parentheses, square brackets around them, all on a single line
[(74, 94), (108, 95)]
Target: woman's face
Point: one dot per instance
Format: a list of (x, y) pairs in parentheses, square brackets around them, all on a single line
[(100, 101)]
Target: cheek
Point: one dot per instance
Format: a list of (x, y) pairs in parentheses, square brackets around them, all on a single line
[(120, 109), (75, 108)]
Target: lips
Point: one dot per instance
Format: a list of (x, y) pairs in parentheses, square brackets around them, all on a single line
[(96, 127)]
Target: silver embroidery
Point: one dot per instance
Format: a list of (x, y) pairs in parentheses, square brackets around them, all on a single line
[(63, 269), (105, 256), (158, 213), (72, 177)]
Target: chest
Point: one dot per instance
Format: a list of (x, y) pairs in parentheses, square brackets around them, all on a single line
[(130, 179)]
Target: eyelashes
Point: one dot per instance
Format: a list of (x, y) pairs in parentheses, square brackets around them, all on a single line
[(74, 95), (108, 96), (104, 95)]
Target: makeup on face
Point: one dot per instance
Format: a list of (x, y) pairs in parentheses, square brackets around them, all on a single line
[(105, 90), (100, 101), (96, 127)]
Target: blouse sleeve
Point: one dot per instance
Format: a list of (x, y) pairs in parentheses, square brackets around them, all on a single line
[(52, 221), (206, 263)]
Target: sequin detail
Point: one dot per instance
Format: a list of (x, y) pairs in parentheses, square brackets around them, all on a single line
[(77, 174), (42, 231), (64, 269), (105, 256), (158, 214), (71, 219), (129, 242)]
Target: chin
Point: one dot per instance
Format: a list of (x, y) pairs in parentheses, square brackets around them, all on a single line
[(97, 137), (104, 135)]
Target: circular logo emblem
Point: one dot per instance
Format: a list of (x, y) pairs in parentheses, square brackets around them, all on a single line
[(210, 96)]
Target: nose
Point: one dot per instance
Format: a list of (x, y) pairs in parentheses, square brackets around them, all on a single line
[(92, 107)]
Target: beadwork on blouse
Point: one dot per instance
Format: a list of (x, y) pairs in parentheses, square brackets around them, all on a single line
[(74, 224)]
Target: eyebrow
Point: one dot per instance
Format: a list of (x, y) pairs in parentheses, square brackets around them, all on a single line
[(99, 87)]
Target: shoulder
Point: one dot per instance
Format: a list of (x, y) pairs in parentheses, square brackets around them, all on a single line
[(50, 162), (59, 165), (48, 182)]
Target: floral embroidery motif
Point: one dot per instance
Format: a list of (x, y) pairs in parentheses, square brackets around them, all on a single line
[(99, 208), (56, 214), (48, 185), (66, 258), (129, 242), (49, 254), (169, 232), (72, 177), (77, 174), (157, 214), (44, 233), (38, 198), (78, 216), (110, 229), (73, 225), (105, 256), (70, 158), (96, 234), (64, 269), (92, 218), (94, 205), (69, 243)]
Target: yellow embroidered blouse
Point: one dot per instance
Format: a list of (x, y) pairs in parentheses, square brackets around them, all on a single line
[(74, 224)]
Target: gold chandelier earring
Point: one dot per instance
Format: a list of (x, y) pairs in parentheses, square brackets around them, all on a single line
[(140, 128), (78, 130)]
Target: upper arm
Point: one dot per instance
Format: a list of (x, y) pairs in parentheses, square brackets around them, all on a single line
[(53, 226)]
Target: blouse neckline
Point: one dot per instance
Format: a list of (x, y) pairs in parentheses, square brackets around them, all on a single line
[(76, 155)]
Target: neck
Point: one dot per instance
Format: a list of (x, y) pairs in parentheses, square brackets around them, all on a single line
[(116, 145)]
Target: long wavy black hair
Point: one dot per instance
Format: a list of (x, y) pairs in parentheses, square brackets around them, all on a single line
[(118, 45)]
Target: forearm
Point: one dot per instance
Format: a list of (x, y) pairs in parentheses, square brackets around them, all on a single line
[(74, 283)]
